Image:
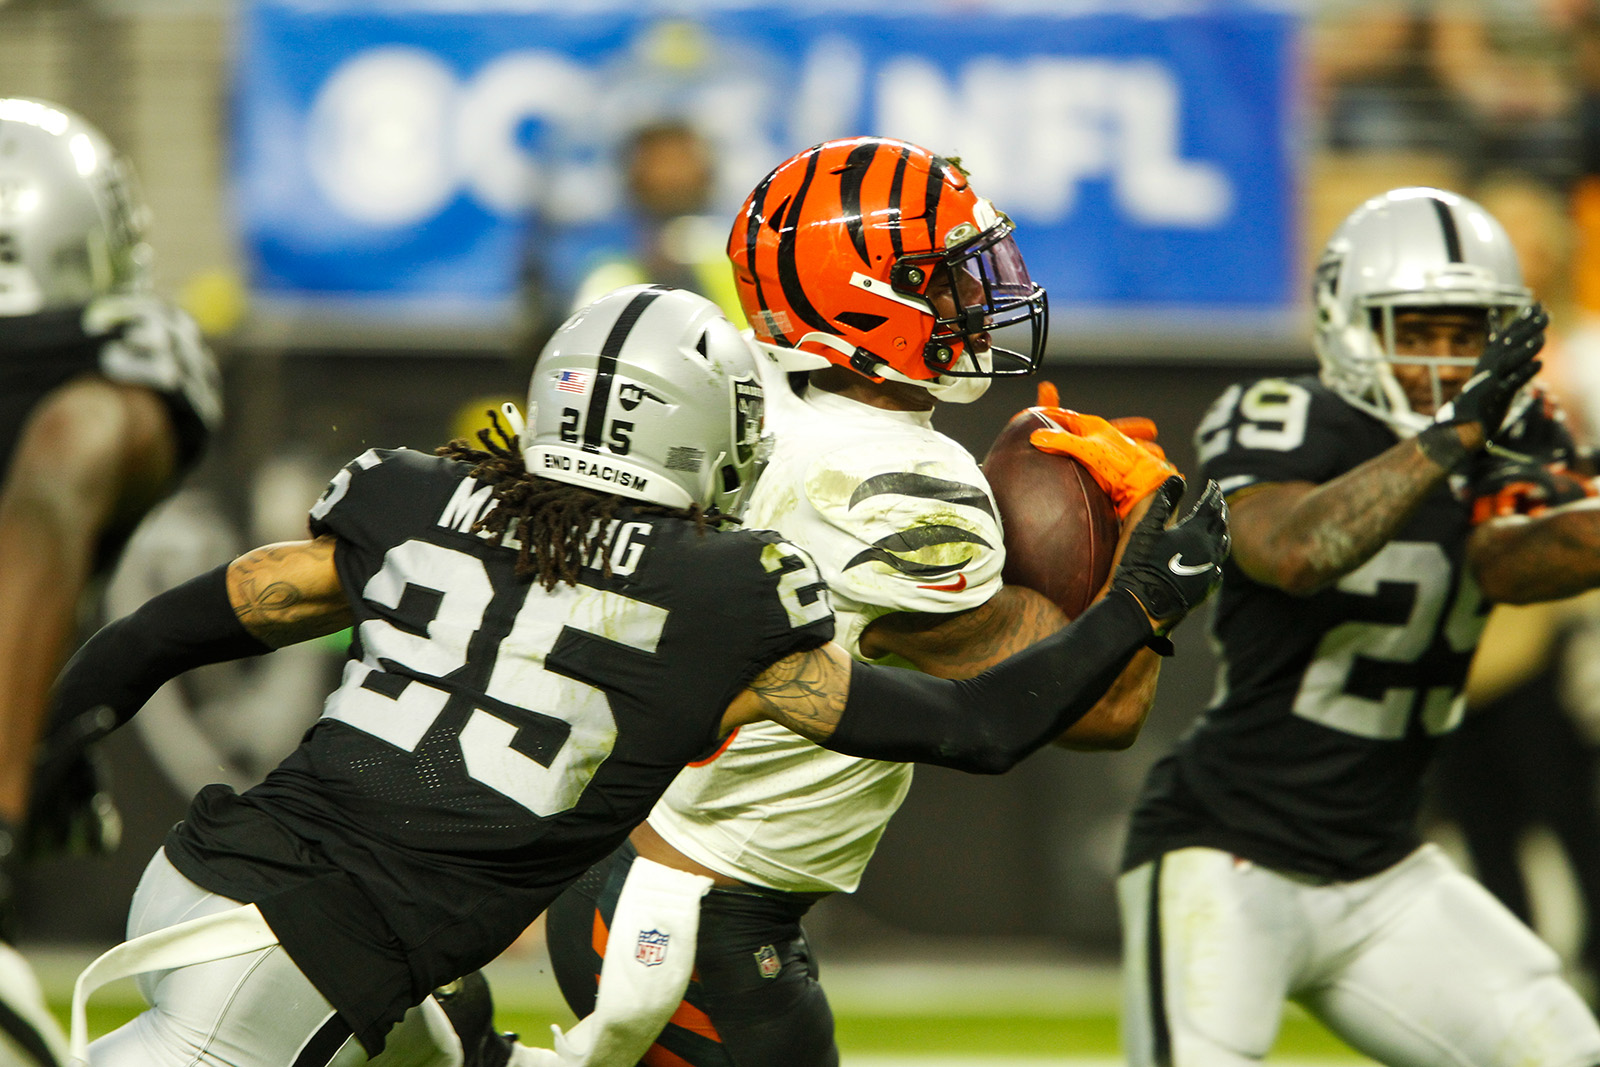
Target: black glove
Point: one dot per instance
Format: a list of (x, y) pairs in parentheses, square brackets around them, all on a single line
[(1504, 368), (1535, 431), (70, 809), (1505, 486), (1171, 569)]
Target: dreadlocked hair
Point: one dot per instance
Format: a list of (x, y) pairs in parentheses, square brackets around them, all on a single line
[(555, 527)]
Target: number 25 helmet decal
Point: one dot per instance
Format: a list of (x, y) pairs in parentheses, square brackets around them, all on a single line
[(877, 255), (1413, 249), (650, 393)]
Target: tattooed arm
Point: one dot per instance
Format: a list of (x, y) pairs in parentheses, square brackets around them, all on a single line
[(1301, 537), (263, 600), (805, 692), (966, 643), (288, 592), (1521, 559), (983, 725)]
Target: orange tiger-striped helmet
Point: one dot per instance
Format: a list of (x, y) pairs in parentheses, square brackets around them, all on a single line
[(876, 254)]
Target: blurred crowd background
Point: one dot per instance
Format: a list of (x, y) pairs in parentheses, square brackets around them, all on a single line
[(378, 210)]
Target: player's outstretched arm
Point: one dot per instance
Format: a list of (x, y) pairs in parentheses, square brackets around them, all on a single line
[(290, 592), (263, 600), (1301, 537), (1522, 559), (984, 725), (964, 644)]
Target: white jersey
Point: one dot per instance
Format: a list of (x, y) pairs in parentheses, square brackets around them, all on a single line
[(899, 517)]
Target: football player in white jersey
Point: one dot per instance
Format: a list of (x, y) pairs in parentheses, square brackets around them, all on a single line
[(545, 631), (1274, 855), (107, 395), (875, 277)]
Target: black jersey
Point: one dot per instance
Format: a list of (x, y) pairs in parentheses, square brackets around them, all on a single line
[(1311, 755), (148, 342), (491, 740), (144, 341)]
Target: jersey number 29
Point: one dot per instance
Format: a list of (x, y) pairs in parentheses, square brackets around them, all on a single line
[(1346, 685)]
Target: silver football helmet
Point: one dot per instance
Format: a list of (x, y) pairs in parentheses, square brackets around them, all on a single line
[(1409, 248), (649, 393), (71, 221)]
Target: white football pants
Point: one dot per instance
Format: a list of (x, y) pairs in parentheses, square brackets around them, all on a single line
[(29, 1034), (1416, 966), (250, 1010), (254, 1008)]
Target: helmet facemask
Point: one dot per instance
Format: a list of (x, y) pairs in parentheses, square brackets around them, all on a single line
[(988, 290), (1385, 336)]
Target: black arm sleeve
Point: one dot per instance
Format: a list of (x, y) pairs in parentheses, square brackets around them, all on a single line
[(987, 724), (122, 665)]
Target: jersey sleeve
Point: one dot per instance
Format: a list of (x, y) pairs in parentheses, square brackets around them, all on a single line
[(372, 496), (1273, 430), (791, 609), (905, 527)]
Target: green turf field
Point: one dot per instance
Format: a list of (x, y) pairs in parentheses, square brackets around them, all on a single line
[(1089, 1034)]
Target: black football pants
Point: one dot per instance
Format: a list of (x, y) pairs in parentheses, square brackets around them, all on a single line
[(754, 999)]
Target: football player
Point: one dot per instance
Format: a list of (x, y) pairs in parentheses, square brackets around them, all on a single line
[(546, 631), (107, 396), (879, 284), (1274, 854)]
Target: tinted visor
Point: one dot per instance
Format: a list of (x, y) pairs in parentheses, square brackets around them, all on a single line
[(1000, 322)]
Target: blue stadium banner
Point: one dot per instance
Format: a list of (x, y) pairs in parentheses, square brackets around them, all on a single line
[(429, 150)]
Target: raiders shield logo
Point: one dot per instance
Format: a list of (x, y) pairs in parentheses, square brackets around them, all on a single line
[(767, 961), (651, 949), (631, 396)]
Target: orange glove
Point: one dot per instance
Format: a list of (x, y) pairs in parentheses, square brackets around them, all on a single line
[(1139, 428), (1122, 454), (1123, 466), (1529, 489)]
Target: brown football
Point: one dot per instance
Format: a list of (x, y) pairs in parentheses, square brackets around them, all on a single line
[(1061, 528)]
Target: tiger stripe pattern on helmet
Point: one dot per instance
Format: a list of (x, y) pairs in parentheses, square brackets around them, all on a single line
[(836, 252)]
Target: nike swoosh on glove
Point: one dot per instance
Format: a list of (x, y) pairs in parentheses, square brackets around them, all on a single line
[(1171, 569)]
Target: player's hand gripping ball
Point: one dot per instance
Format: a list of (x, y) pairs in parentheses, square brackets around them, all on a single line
[(1121, 454), (1061, 528)]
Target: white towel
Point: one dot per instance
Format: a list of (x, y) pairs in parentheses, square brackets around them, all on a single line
[(649, 958), (210, 937)]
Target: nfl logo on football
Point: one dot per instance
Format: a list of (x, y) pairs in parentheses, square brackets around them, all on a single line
[(767, 961), (652, 947)]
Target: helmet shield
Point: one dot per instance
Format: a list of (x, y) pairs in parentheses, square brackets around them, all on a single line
[(991, 292)]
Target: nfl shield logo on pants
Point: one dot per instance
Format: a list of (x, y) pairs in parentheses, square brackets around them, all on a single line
[(652, 947), (768, 962)]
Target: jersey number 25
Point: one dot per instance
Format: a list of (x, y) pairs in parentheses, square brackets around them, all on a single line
[(400, 709)]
